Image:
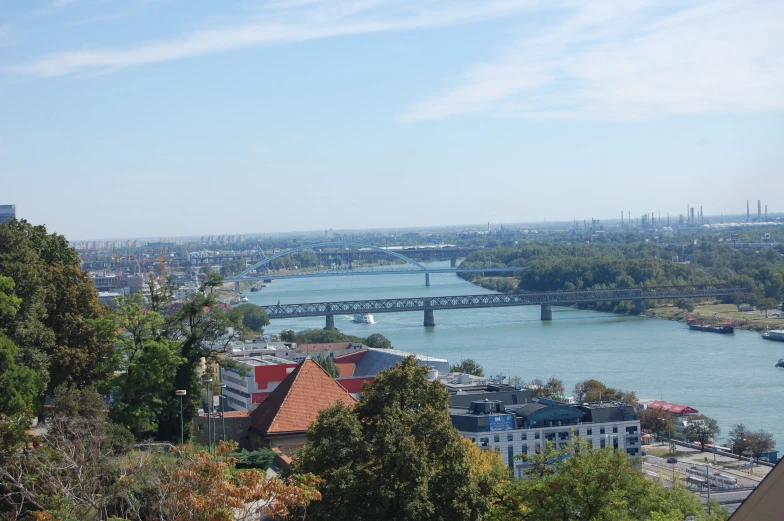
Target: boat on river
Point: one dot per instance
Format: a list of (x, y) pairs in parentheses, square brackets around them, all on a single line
[(774, 334), (364, 318), (780, 363), (723, 327)]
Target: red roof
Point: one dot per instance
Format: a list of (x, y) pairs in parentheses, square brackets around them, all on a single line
[(296, 402), (674, 408)]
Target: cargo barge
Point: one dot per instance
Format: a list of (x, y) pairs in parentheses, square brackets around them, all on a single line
[(722, 328)]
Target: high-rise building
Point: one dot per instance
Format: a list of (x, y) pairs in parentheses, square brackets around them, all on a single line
[(7, 212)]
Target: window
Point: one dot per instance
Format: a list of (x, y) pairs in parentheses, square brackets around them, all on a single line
[(615, 430), (631, 430), (536, 436), (601, 431), (509, 437), (524, 449), (523, 437), (563, 435), (589, 432), (484, 442), (510, 456), (602, 444), (496, 438)]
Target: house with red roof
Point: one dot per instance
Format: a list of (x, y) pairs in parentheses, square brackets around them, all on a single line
[(283, 418)]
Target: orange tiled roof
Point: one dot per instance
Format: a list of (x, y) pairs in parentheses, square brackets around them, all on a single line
[(297, 400), (346, 370)]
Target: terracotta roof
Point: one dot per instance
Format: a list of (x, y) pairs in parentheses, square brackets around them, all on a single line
[(346, 370), (297, 400)]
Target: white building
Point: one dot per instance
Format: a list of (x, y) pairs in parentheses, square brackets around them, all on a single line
[(184, 292), (511, 422), (241, 388)]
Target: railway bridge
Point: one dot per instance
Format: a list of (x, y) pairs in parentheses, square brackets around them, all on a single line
[(546, 300)]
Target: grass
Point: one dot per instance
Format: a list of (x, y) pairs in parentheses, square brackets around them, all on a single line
[(666, 453), (720, 313)]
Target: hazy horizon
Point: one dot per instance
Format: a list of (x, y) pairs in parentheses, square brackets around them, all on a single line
[(164, 118)]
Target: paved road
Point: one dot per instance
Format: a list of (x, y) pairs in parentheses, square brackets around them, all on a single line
[(660, 465)]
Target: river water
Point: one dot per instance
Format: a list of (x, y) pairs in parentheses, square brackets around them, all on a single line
[(728, 377)]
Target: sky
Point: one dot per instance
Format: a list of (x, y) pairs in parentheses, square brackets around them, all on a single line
[(140, 118)]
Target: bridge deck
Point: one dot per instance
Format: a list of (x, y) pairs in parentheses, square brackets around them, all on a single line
[(343, 273), (559, 298)]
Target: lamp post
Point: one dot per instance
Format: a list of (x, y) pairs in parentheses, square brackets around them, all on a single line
[(181, 393), (223, 408), (207, 380)]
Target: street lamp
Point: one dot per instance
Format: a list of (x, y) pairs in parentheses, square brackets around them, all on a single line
[(181, 393), (207, 380), (223, 408)]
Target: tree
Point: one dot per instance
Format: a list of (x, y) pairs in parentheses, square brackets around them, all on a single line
[(765, 304), (378, 341), (760, 442), (21, 385), (738, 438), (685, 303), (581, 482), (395, 455), (654, 420), (468, 366), (328, 364), (702, 429), (78, 402), (253, 317), (595, 391)]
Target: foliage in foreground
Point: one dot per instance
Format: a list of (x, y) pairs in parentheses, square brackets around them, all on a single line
[(81, 471), (396, 455), (583, 483)]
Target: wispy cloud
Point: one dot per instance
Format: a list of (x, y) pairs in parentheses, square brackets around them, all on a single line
[(616, 59), (282, 22)]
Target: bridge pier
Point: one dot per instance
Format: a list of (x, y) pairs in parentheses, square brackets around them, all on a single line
[(430, 320), (547, 312), (453, 262), (330, 322), (427, 280), (237, 286), (639, 306)]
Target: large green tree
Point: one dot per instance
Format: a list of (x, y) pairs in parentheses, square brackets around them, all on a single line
[(61, 329), (702, 429), (468, 366), (395, 455), (580, 482), (253, 317)]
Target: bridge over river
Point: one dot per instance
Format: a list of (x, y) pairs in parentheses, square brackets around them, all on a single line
[(546, 300)]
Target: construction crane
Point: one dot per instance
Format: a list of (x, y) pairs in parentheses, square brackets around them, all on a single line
[(162, 261), (116, 258)]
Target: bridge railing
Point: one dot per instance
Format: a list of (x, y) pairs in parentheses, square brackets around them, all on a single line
[(564, 298)]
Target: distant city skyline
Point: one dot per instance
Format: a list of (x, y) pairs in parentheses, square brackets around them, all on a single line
[(156, 118)]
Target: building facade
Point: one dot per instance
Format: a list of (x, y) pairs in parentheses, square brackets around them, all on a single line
[(513, 423), (7, 212)]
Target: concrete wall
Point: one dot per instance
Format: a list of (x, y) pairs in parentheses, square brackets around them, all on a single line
[(236, 430)]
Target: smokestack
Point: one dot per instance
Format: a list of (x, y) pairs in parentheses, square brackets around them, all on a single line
[(621, 218), (766, 213), (668, 219), (747, 210), (759, 211)]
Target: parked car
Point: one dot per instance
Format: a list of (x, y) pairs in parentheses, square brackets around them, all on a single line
[(643, 453), (672, 460)]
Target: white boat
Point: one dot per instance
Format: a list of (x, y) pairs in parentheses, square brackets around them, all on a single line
[(244, 299), (364, 318), (774, 334)]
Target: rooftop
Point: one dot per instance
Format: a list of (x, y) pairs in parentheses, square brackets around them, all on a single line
[(297, 400)]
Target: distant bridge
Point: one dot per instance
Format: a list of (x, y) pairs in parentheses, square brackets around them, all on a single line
[(546, 300), (364, 249)]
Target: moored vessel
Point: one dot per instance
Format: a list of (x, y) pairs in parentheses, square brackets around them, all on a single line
[(723, 327), (774, 334)]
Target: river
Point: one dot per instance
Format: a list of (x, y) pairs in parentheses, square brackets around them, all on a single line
[(728, 377)]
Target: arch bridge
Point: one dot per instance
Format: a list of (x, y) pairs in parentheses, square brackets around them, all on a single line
[(245, 275)]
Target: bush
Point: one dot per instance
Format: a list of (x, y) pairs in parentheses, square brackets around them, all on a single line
[(685, 303)]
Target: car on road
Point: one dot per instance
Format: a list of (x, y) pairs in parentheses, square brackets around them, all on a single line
[(672, 460)]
